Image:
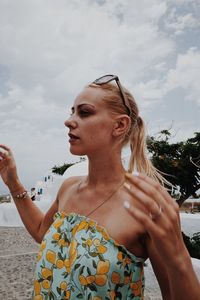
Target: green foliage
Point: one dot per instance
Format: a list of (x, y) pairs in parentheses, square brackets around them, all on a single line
[(193, 244), (179, 161), (60, 170)]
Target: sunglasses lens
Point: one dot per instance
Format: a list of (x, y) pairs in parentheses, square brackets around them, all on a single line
[(108, 78), (104, 79)]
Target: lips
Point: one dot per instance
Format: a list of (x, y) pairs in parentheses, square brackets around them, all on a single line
[(73, 137)]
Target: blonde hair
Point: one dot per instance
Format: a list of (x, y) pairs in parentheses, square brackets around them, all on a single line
[(136, 134)]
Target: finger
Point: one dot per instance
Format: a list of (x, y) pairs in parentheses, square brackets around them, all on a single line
[(4, 154), (149, 204), (155, 194), (162, 190), (146, 192), (5, 151), (150, 225), (4, 147), (154, 190)]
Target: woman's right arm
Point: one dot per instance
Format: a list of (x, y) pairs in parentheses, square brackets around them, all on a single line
[(35, 221)]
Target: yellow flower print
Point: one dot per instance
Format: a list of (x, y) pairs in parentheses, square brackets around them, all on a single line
[(58, 223), (127, 261), (68, 293), (83, 225), (103, 232), (59, 263), (126, 279), (73, 252), (51, 256), (136, 287), (101, 249), (120, 256), (91, 223), (62, 215), (90, 279), (74, 230), (82, 280), (112, 295), (100, 279), (46, 284), (38, 297), (46, 272), (105, 235), (39, 256), (73, 257), (73, 247), (37, 287), (62, 242), (67, 265), (63, 285), (124, 260), (96, 242), (88, 242), (56, 236), (103, 267), (115, 277), (43, 245)]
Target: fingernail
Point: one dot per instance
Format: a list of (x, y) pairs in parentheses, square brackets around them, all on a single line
[(126, 185), (127, 204), (135, 173)]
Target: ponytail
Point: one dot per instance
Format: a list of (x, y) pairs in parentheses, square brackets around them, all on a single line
[(139, 160)]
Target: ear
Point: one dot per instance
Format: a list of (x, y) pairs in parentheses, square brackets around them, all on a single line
[(121, 125)]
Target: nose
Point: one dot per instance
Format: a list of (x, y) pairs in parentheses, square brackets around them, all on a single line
[(70, 122)]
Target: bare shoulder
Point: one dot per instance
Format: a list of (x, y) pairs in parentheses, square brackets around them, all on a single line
[(67, 184)]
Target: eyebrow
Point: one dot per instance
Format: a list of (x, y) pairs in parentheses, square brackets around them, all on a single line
[(83, 104)]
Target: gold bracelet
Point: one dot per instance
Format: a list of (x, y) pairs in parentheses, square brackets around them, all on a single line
[(21, 195)]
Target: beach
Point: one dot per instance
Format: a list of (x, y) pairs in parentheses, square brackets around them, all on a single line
[(17, 263)]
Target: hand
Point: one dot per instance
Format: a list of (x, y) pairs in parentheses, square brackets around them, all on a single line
[(159, 214), (8, 170)]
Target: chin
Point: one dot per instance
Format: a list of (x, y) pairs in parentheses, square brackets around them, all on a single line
[(78, 152)]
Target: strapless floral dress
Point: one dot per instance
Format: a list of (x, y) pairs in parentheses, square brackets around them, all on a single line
[(79, 260)]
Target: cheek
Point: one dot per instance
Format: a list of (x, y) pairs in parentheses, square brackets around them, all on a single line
[(100, 133)]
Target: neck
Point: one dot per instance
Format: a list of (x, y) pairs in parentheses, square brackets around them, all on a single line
[(105, 169)]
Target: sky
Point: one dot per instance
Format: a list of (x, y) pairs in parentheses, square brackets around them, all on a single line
[(49, 50)]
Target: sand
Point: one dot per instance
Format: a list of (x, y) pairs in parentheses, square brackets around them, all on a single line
[(17, 264)]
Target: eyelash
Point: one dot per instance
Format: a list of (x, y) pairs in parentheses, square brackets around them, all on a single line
[(82, 113)]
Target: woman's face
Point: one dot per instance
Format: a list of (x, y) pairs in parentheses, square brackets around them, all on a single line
[(90, 125)]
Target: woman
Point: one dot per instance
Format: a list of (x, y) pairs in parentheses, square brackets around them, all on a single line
[(103, 226)]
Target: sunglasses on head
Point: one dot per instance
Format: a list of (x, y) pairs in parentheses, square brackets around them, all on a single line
[(107, 78)]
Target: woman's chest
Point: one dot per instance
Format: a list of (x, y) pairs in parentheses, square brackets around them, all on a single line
[(120, 226)]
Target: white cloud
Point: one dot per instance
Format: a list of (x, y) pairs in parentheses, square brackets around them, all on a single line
[(50, 44), (49, 50), (186, 74), (180, 23)]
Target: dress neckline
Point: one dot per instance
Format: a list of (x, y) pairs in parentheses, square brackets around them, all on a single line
[(112, 240)]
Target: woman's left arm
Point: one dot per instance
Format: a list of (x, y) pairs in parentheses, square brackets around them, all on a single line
[(160, 216)]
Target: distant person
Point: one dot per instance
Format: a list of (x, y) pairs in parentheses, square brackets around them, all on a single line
[(38, 197), (102, 227), (33, 194)]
